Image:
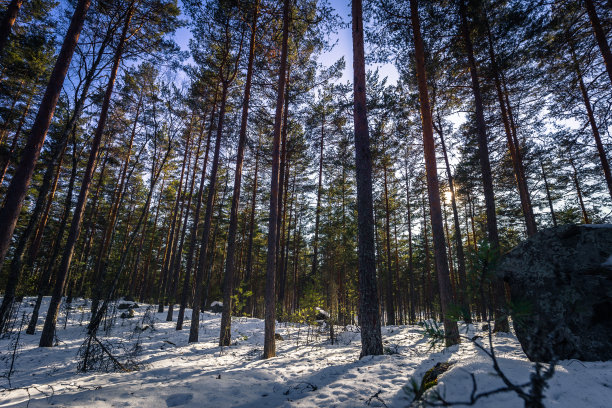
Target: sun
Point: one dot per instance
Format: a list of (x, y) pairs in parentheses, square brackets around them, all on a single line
[(448, 196)]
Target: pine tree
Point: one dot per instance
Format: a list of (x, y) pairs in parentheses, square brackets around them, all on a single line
[(371, 338), (20, 182)]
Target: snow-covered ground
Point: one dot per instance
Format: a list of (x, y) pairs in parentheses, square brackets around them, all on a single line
[(307, 372)]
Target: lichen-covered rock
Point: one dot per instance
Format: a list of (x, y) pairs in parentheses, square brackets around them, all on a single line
[(561, 286), (128, 305), (321, 314), (216, 307), (430, 379)]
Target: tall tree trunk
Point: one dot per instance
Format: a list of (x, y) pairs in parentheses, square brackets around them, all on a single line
[(65, 137), (282, 180), (285, 258), (426, 284), (249, 260), (501, 319), (472, 216), (212, 250), (20, 182), (296, 255), (371, 337), (390, 302), (401, 305), (102, 260), (92, 219), (585, 215), (600, 36), (15, 267), (286, 223), (47, 272), (461, 271), (228, 279), (171, 243), (196, 221), (11, 151), (197, 301), (125, 251), (412, 314), (11, 113), (451, 331), (173, 270), (135, 279), (315, 243), (270, 296), (42, 223), (449, 245), (179, 254), (548, 197), (10, 15), (145, 269), (605, 165), (46, 339), (513, 148)]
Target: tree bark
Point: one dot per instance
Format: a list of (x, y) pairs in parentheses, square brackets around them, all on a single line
[(99, 272), (501, 319), (600, 36), (451, 331), (426, 284), (283, 242), (315, 244), (461, 271), (270, 296), (550, 203), (20, 182), (282, 182), (10, 15), (605, 165), (196, 221), (145, 272), (11, 112), (11, 151), (46, 274), (69, 127), (413, 300), (249, 260), (585, 215), (513, 148), (46, 339), (155, 173), (179, 254), (390, 300), (228, 279), (173, 237), (197, 300), (371, 337)]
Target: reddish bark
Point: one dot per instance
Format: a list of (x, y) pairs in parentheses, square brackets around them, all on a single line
[(20, 182), (451, 331), (371, 338)]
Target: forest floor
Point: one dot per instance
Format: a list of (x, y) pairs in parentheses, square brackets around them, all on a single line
[(308, 371)]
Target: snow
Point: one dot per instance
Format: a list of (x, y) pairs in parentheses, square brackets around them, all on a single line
[(608, 262), (308, 371), (216, 303)]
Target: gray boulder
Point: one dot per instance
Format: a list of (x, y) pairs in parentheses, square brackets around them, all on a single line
[(561, 286), (216, 307)]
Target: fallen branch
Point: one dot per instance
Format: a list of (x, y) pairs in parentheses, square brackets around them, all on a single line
[(376, 396), (110, 355)]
